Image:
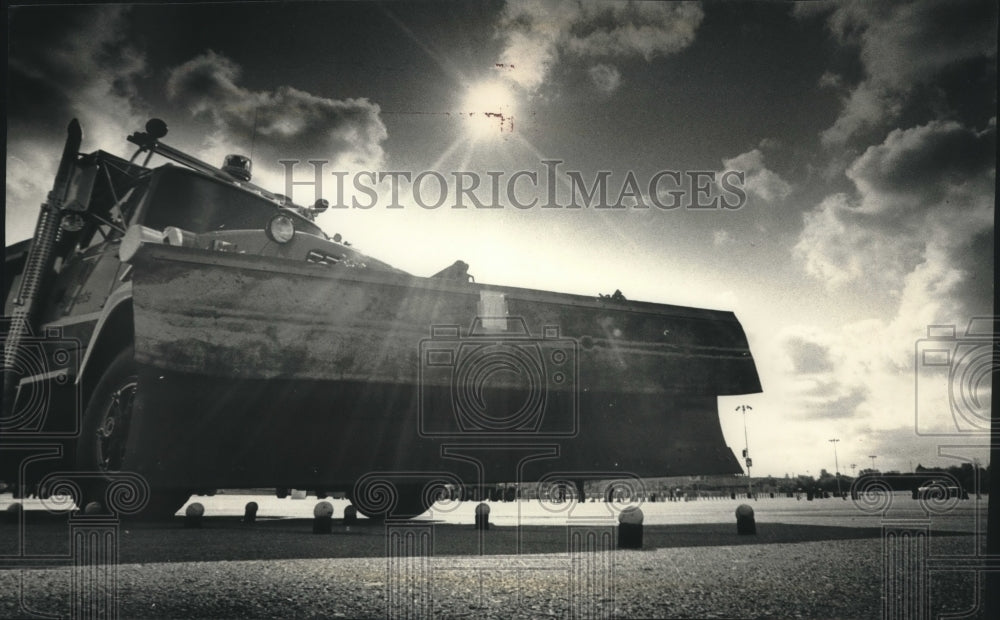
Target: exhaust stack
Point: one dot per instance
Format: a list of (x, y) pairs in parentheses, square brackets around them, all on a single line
[(39, 261)]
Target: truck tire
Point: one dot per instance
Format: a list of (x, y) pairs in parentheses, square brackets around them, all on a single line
[(104, 435), (411, 501)]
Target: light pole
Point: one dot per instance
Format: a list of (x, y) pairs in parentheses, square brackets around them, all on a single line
[(853, 467), (746, 451), (872, 457), (836, 466)]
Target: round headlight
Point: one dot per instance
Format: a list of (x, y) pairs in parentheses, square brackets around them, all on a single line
[(281, 229)]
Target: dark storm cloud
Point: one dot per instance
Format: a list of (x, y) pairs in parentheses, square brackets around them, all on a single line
[(974, 259), (64, 62), (204, 82), (81, 64), (288, 122), (922, 163), (903, 47), (918, 224)]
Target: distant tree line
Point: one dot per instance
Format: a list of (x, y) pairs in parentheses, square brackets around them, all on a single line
[(964, 474)]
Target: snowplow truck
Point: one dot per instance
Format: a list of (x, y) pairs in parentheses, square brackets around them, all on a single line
[(177, 329)]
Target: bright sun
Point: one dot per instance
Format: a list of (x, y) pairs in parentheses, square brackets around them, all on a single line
[(488, 110)]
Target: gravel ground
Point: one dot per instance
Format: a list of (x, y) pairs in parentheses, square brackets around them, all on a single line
[(820, 579), (692, 565)]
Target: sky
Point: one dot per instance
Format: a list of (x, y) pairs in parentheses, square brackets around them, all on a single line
[(858, 140)]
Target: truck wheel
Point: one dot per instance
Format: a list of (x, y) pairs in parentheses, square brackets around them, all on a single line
[(104, 436), (411, 501)]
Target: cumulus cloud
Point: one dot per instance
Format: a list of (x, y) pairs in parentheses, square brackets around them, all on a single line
[(923, 198), (919, 225), (289, 123), (821, 376), (606, 78), (807, 356), (840, 244), (764, 183), (902, 47), (742, 177), (830, 80), (860, 376), (538, 34)]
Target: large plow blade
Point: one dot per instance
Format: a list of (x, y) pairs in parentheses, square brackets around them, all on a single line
[(265, 372)]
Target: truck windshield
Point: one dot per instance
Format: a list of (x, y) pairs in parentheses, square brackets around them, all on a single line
[(200, 204)]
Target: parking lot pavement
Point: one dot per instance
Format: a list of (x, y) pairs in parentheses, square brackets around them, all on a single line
[(959, 515), (808, 559)]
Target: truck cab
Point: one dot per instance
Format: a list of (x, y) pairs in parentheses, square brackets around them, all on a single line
[(57, 356)]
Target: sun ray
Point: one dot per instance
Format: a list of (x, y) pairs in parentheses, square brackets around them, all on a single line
[(447, 152), (612, 224), (466, 157), (444, 63)]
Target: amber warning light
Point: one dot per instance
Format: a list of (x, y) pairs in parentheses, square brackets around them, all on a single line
[(238, 166)]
